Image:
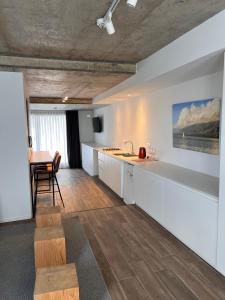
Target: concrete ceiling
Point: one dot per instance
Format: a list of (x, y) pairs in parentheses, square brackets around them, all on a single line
[(63, 107), (52, 83), (66, 29)]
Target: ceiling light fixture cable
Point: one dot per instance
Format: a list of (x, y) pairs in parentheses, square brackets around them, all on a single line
[(106, 21)]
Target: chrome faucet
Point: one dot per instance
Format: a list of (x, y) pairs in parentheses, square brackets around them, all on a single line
[(132, 145)]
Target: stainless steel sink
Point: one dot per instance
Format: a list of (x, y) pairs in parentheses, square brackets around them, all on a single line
[(129, 155), (125, 154)]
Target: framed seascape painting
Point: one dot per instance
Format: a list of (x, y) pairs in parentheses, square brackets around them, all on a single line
[(196, 125)]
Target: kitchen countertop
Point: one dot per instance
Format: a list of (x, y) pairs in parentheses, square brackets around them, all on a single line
[(94, 145), (203, 183), (134, 160), (206, 184)]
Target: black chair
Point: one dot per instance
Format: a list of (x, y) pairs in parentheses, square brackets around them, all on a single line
[(44, 173)]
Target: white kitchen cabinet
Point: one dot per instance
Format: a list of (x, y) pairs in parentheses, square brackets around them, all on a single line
[(89, 159), (192, 218), (149, 193), (189, 214), (101, 174), (115, 175), (128, 184), (101, 156), (101, 167), (111, 172)]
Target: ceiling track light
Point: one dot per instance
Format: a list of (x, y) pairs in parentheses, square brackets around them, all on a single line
[(106, 21)]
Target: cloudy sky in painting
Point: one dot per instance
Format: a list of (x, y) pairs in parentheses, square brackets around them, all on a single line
[(196, 112)]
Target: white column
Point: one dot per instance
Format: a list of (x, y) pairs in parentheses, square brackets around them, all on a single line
[(221, 212), (15, 202)]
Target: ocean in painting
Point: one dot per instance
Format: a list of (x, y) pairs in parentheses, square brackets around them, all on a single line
[(196, 125)]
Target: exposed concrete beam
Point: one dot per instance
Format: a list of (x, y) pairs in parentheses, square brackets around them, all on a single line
[(46, 100), (66, 65)]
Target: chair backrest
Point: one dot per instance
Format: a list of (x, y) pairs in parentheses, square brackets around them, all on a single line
[(55, 156), (57, 163)]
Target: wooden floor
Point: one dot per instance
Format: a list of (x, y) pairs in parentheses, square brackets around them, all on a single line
[(80, 192), (141, 260), (138, 258)]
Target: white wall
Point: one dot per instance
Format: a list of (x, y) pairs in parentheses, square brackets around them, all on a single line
[(221, 212), (15, 202), (85, 126), (149, 119), (191, 47)]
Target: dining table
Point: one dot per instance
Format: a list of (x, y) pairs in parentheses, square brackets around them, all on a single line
[(39, 158)]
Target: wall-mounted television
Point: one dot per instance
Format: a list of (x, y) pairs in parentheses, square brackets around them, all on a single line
[(97, 124)]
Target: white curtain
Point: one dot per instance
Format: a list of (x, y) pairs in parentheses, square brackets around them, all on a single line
[(48, 131)]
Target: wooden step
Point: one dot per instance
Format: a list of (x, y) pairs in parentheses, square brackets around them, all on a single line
[(48, 216), (58, 282), (49, 246)]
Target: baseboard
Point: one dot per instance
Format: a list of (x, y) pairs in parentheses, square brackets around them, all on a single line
[(14, 219)]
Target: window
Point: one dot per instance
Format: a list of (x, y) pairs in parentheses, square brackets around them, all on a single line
[(48, 131)]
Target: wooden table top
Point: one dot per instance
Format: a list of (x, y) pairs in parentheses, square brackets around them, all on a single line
[(40, 157)]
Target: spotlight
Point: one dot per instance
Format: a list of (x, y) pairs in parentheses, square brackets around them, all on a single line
[(132, 3), (65, 99), (106, 23), (109, 27), (100, 23)]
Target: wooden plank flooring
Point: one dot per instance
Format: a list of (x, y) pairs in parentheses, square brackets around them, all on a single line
[(80, 192), (141, 260), (138, 258)]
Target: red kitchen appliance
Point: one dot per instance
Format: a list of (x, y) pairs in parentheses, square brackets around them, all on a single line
[(142, 152)]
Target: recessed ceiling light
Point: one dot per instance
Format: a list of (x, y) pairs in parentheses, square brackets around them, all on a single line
[(65, 99)]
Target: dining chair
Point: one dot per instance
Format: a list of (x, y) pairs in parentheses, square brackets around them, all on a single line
[(50, 171)]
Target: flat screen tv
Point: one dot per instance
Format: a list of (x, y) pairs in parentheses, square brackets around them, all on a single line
[(97, 124)]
